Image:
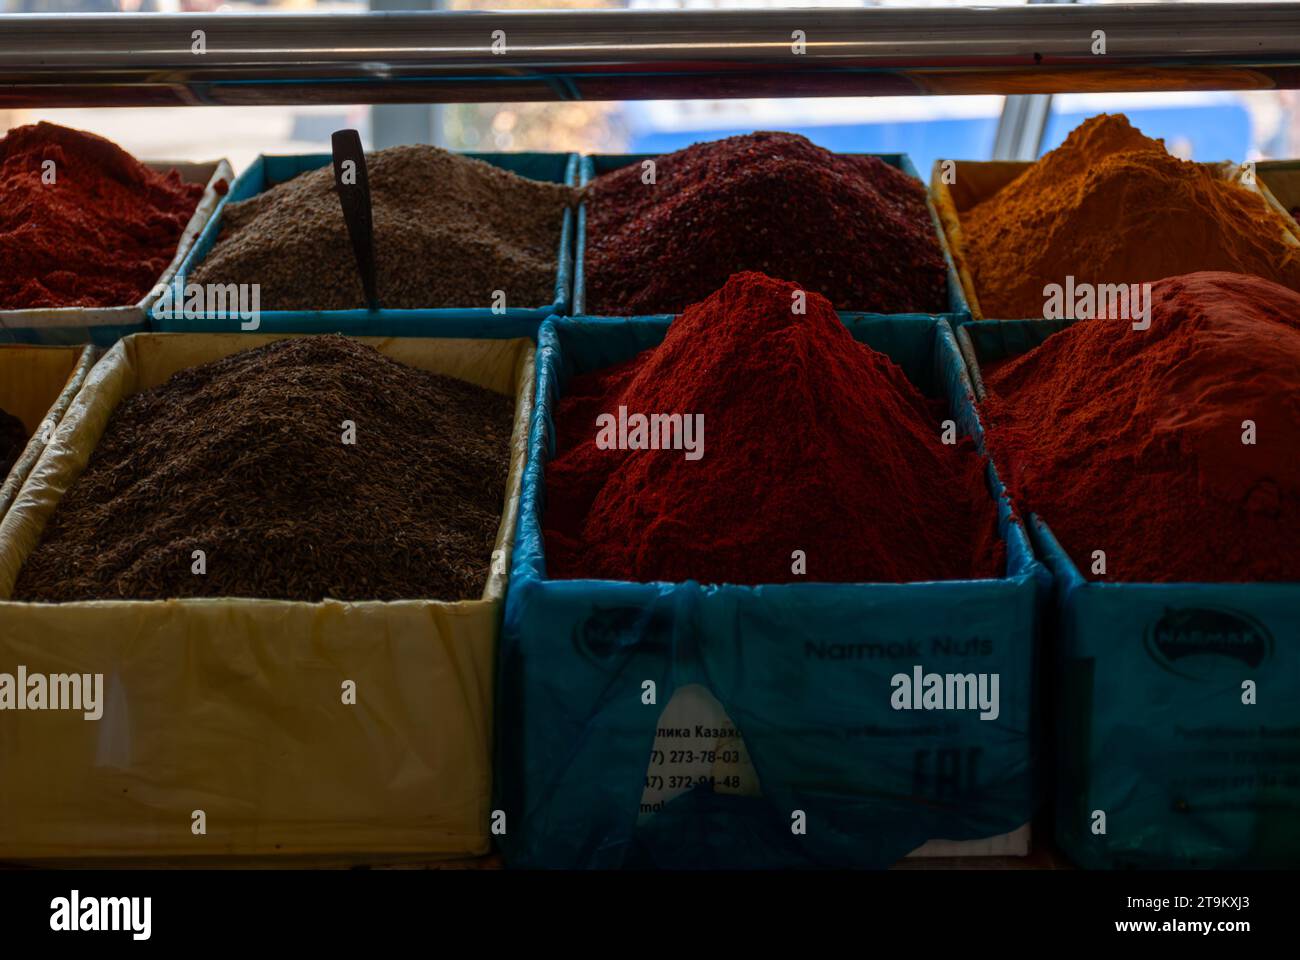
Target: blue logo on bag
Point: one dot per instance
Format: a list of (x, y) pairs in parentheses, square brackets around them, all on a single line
[(1186, 641), (608, 631)]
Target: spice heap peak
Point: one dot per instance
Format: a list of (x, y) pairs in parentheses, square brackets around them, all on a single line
[(1172, 450), (1111, 206), (82, 222), (816, 444), (450, 231), (852, 227), (310, 468)]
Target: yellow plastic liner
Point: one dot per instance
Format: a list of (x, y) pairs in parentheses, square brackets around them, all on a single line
[(974, 181), (36, 385), (234, 707), (1279, 182)]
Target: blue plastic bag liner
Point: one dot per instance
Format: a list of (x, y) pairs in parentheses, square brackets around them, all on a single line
[(800, 673), (1151, 729), (594, 165), (267, 171), (995, 341), (71, 331), (104, 326)]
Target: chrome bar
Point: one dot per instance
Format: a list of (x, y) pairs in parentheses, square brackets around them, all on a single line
[(155, 59)]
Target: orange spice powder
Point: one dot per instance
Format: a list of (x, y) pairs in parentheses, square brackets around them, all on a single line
[(1112, 206)]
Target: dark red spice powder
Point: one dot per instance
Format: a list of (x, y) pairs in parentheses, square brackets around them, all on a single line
[(854, 229), (813, 442), (100, 235), (1131, 441)]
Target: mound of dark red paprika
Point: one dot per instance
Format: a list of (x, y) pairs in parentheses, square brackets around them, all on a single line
[(813, 442), (82, 222), (853, 228), (1174, 450)]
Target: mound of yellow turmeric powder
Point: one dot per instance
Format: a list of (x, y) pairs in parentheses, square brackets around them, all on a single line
[(1110, 205)]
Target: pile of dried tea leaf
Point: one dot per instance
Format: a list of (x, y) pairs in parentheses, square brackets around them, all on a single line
[(244, 459)]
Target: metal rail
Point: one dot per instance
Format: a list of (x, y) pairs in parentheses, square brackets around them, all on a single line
[(153, 59)]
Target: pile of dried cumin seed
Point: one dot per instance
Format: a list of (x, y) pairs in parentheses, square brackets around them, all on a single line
[(449, 231), (243, 458)]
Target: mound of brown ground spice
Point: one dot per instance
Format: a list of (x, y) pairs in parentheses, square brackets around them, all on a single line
[(1112, 206), (851, 228), (449, 231), (243, 458), (13, 440)]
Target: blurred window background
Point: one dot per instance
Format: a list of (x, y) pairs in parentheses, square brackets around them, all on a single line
[(1201, 126)]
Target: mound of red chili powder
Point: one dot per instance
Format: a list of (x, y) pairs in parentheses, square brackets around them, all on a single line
[(812, 442), (82, 222), (853, 228), (1134, 442)]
